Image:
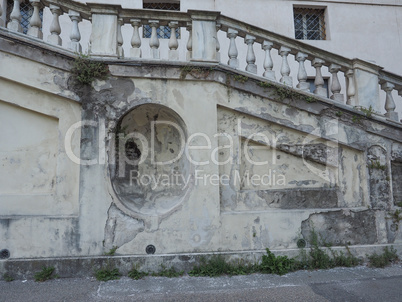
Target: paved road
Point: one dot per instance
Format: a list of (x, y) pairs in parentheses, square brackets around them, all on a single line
[(340, 284)]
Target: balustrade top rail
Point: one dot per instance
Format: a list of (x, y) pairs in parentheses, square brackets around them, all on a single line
[(279, 40), (203, 45), (66, 5)]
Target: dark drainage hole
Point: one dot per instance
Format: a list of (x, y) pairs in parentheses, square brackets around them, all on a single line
[(301, 243), (4, 254), (150, 249)]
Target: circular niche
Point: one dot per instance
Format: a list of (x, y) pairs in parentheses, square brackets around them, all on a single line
[(149, 170)]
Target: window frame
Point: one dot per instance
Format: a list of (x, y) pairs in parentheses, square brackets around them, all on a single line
[(304, 11)]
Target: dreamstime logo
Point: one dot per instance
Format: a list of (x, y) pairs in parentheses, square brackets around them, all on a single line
[(201, 149)]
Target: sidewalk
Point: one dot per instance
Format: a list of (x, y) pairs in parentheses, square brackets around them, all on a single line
[(339, 284)]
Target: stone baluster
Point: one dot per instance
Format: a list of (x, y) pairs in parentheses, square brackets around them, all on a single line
[(173, 43), (319, 80), (218, 45), (75, 35), (335, 85), (15, 18), (35, 23), (285, 69), (1, 15), (351, 87), (389, 101), (250, 58), (302, 74), (400, 94), (135, 51), (55, 29), (268, 63), (189, 42), (154, 41), (232, 52), (120, 41)]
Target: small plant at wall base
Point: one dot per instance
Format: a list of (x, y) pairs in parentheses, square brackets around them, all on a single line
[(107, 274), (45, 274), (217, 266), (388, 257), (135, 274), (85, 70), (318, 258), (279, 265), (7, 277), (169, 273)]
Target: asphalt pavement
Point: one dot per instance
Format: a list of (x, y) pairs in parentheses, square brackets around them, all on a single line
[(339, 284)]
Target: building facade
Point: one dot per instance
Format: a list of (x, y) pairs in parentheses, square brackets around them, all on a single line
[(217, 129)]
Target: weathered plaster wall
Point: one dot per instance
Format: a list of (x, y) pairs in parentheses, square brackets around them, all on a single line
[(39, 188), (322, 160), (316, 166)]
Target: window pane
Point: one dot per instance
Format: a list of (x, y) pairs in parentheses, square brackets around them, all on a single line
[(299, 34), (26, 10), (163, 32), (313, 35)]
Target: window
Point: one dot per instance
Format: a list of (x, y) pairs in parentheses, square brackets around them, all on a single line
[(163, 31), (309, 23), (26, 12)]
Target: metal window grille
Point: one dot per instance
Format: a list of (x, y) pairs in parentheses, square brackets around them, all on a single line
[(163, 32), (26, 13), (309, 23)]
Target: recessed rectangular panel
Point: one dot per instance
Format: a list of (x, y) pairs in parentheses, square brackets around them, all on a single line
[(28, 151), (396, 168)]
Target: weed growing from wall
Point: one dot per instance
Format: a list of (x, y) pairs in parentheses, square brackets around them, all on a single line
[(396, 217), (86, 70), (375, 164), (195, 72), (368, 112), (112, 251), (240, 78)]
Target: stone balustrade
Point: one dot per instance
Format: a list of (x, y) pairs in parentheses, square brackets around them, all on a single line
[(390, 83), (353, 82)]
